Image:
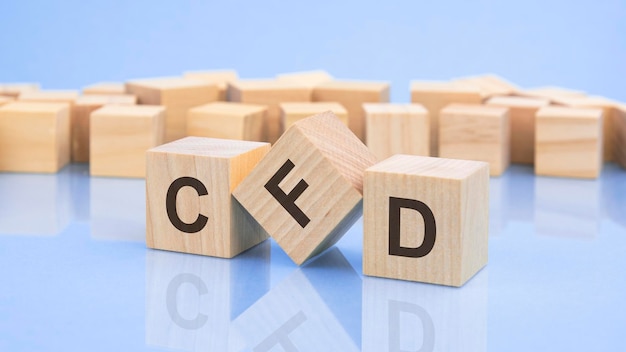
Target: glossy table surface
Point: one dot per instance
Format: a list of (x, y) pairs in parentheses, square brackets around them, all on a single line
[(76, 275)]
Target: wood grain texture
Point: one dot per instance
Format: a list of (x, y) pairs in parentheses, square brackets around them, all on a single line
[(220, 165), (620, 134), (568, 142), (522, 112), (434, 96), (457, 193), (227, 120), (15, 89), (291, 113), (476, 132), (397, 129), (178, 95), (308, 78), (120, 136), (269, 92), (489, 85), (330, 159), (352, 95), (219, 77), (83, 107), (34, 137), (105, 88)]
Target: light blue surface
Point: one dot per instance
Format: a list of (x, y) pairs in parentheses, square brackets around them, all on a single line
[(76, 276)]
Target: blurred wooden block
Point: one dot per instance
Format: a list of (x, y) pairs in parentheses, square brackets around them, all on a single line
[(308, 78), (568, 142), (15, 89), (105, 88), (489, 85), (189, 204), (271, 93), (434, 96), (5, 99), (397, 129), (120, 136), (426, 219), (352, 95), (178, 95), (554, 94), (219, 77), (294, 112), (620, 134), (227, 120), (307, 191), (522, 112), (475, 132), (83, 107), (34, 137)]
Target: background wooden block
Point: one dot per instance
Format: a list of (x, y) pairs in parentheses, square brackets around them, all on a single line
[(308, 78), (352, 95), (426, 219), (178, 95), (620, 134), (120, 136), (568, 142), (522, 112), (554, 94), (206, 219), (397, 129), (489, 85), (83, 107), (219, 77), (5, 99), (475, 132), (316, 170), (105, 88), (271, 93), (34, 137), (227, 120), (434, 96), (15, 89), (291, 113)]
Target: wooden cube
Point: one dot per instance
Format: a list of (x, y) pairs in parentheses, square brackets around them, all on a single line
[(522, 112), (475, 132), (307, 191), (34, 137), (294, 112), (270, 93), (426, 219), (397, 129), (190, 180), (219, 77), (178, 95), (434, 96), (15, 89), (83, 107), (5, 99), (568, 142), (120, 136), (489, 85), (227, 120), (620, 134), (553, 94), (309, 78), (352, 95), (105, 88)]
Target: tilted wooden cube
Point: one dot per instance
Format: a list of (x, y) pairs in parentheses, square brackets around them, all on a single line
[(189, 204), (270, 93), (434, 96), (489, 85), (219, 77), (522, 112), (397, 129), (552, 93), (307, 191), (309, 78), (177, 94), (352, 95), (83, 107), (620, 134), (293, 112), (105, 88), (120, 136), (568, 142), (227, 120), (426, 219), (475, 132), (34, 137), (14, 90)]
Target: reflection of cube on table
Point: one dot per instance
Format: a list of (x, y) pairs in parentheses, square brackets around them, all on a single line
[(34, 137), (227, 120), (293, 112), (475, 132), (568, 142), (620, 135), (121, 135), (397, 129)]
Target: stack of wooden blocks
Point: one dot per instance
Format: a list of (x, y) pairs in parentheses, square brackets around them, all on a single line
[(418, 172)]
